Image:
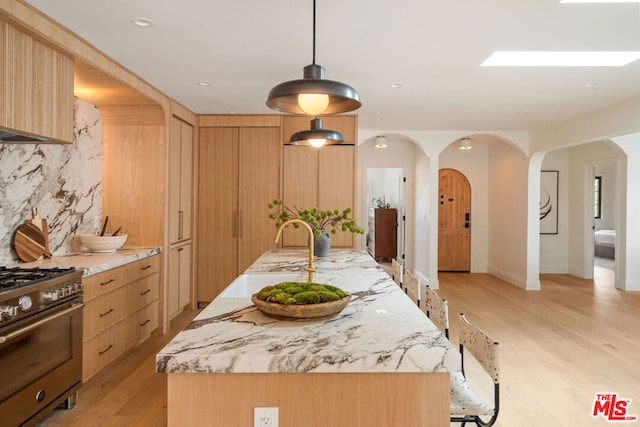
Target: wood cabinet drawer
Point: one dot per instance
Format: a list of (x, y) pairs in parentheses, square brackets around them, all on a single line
[(101, 283), (142, 292), (141, 268), (142, 323), (103, 349), (103, 312)]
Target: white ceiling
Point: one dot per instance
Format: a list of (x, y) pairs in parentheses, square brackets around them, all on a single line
[(433, 47)]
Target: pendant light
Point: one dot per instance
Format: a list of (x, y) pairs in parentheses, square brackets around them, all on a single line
[(316, 136), (465, 144), (313, 95)]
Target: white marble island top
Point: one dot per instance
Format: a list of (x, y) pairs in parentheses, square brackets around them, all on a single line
[(381, 330)]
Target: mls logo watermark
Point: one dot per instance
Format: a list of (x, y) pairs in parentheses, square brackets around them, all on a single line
[(612, 408)]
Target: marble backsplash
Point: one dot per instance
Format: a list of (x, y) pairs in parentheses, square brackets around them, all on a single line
[(63, 180)]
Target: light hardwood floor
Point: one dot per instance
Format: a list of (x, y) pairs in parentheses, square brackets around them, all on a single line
[(558, 347)]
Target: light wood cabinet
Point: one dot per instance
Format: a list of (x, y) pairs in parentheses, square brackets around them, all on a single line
[(322, 178), (179, 281), (36, 87), (121, 310), (180, 171), (239, 174)]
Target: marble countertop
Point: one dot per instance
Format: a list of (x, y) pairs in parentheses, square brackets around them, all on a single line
[(95, 262), (380, 330)]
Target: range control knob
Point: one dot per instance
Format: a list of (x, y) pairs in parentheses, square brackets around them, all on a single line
[(25, 302)]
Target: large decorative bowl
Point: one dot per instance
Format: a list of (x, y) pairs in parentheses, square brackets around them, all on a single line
[(319, 311), (97, 243)]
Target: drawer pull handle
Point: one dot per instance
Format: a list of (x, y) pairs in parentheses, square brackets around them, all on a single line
[(145, 268), (105, 313), (145, 292), (145, 322), (100, 353), (107, 282)]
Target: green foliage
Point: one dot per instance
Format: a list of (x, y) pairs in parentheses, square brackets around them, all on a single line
[(300, 293), (332, 221)]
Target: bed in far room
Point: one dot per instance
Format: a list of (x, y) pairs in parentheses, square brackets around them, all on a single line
[(605, 243)]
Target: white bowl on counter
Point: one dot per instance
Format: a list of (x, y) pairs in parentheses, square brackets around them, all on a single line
[(98, 243)]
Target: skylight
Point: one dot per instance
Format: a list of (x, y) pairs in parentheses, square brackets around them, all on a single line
[(560, 59), (599, 1)]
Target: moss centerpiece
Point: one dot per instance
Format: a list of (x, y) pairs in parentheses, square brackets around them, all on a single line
[(301, 300)]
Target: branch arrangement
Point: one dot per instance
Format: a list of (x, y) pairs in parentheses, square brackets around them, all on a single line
[(317, 219)]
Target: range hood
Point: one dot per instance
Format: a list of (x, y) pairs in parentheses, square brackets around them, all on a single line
[(10, 136)]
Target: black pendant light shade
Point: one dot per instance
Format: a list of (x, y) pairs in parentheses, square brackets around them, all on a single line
[(313, 94), (285, 96), (316, 136)]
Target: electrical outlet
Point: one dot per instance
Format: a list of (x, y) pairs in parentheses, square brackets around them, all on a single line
[(265, 417)]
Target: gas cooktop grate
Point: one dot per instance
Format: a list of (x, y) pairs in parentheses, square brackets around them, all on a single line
[(15, 277)]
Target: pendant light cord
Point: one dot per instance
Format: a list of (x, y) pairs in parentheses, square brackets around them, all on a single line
[(314, 32)]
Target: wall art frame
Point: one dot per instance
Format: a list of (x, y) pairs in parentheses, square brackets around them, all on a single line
[(549, 180)]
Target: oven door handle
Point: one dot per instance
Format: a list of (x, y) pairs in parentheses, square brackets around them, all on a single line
[(39, 323)]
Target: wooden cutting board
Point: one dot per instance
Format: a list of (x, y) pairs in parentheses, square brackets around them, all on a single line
[(30, 243)]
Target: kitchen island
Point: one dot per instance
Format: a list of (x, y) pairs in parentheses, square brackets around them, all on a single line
[(379, 362)]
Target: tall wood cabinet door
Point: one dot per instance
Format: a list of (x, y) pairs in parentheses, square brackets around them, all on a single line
[(186, 170), (179, 279), (300, 187), (180, 169), (336, 183), (259, 184), (173, 282), (217, 211), (184, 279)]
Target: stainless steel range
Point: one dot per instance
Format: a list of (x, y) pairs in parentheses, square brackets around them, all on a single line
[(40, 341)]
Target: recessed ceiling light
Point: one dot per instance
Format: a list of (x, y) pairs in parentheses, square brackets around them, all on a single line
[(521, 113), (396, 85), (377, 113), (204, 83), (590, 84), (143, 22), (560, 59)]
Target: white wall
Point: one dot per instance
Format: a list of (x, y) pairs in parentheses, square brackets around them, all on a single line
[(384, 183), (399, 154), (424, 220), (582, 159), (474, 164), (554, 256), (608, 172), (628, 218), (507, 213)]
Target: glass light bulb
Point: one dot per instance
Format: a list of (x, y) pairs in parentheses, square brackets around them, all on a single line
[(313, 104), (317, 143)]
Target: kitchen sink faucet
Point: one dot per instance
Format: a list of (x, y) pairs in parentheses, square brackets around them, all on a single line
[(311, 269)]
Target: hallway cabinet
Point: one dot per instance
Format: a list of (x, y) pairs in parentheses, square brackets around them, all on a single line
[(382, 233), (239, 174)]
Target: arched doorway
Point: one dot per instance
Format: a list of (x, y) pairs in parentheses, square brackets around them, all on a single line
[(454, 221)]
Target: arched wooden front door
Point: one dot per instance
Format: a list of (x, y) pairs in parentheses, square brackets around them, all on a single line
[(454, 221)]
